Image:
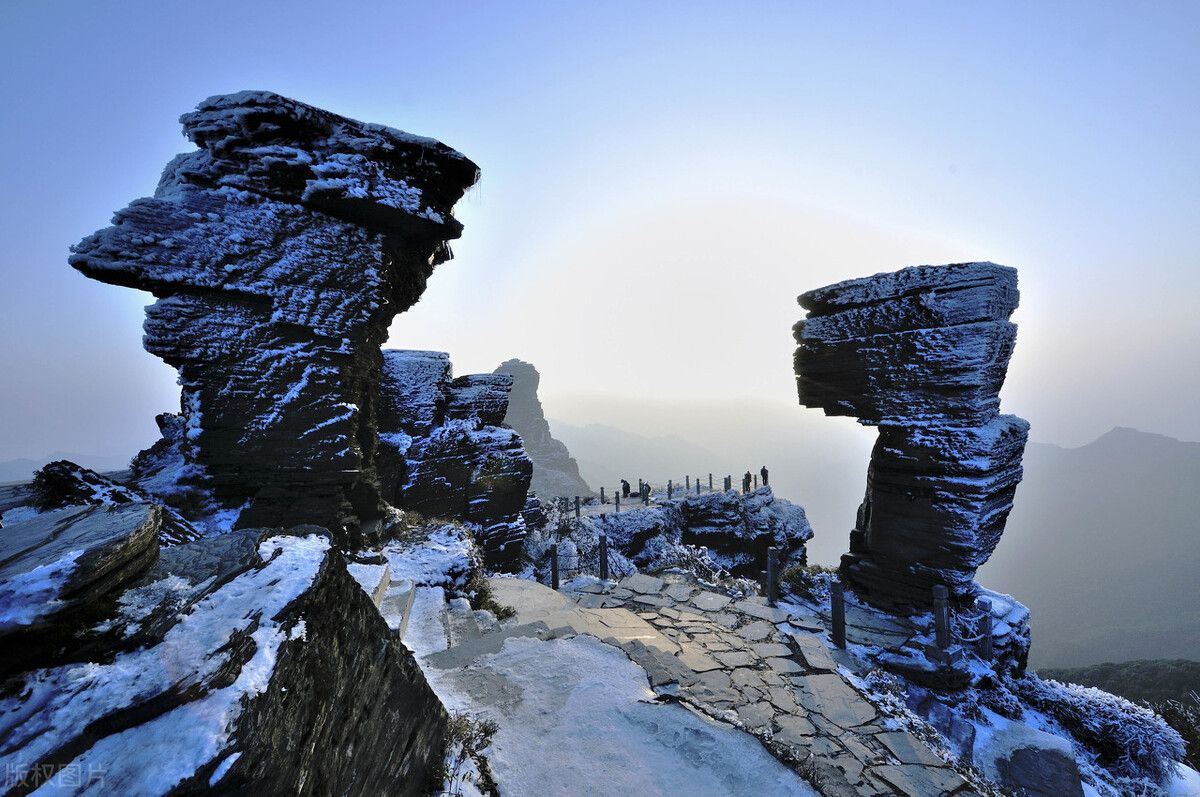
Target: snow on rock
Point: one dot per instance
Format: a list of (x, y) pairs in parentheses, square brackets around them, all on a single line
[(555, 472), (609, 737), (922, 353), (443, 454), (279, 251), (438, 556), (58, 567), (252, 658), (63, 483), (736, 530), (1186, 782)]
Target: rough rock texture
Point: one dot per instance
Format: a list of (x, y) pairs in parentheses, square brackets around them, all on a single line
[(921, 353), (59, 570), (735, 529), (555, 473), (279, 251), (63, 483), (443, 453), (248, 662)]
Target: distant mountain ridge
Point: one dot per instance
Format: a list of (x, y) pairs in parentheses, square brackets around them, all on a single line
[(1102, 545), (1150, 681)]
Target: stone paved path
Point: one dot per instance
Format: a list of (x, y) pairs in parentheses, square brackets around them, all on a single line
[(744, 661)]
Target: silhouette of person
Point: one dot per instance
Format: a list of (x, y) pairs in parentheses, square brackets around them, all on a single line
[(625, 488), (746, 482), (763, 473)]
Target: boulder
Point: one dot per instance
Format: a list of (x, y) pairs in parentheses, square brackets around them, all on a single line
[(63, 483), (254, 663), (59, 572), (736, 530), (279, 251), (1024, 760), (443, 454)]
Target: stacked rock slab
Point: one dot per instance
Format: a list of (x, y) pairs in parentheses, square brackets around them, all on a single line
[(555, 472), (279, 252), (443, 452), (921, 353)]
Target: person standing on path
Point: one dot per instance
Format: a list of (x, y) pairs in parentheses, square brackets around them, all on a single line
[(746, 482), (763, 472)]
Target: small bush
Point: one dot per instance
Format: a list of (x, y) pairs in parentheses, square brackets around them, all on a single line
[(479, 592), (1184, 717), (1130, 741), (807, 581), (466, 739)]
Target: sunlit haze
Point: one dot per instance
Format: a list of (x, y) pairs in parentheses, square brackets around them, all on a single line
[(659, 183)]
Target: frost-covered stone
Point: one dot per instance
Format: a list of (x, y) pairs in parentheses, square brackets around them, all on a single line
[(56, 569), (924, 344), (921, 353), (248, 662), (444, 454), (555, 472), (735, 529), (279, 252), (63, 483)]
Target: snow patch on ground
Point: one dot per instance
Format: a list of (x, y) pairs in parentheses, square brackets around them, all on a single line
[(608, 737)]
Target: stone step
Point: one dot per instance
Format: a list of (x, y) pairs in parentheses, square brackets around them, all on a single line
[(461, 623)]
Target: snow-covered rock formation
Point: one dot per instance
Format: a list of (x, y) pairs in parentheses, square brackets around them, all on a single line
[(921, 353), (555, 472), (443, 452), (248, 661), (733, 530), (279, 252)]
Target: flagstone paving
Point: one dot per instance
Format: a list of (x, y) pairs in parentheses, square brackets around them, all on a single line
[(756, 665)]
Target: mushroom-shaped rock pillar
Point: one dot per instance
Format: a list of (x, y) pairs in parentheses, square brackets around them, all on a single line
[(279, 252), (921, 353)]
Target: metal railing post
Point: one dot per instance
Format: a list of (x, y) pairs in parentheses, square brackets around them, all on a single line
[(941, 615), (985, 629), (837, 611), (772, 575)]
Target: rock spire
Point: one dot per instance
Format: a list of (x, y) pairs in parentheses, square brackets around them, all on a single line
[(921, 353), (279, 251)]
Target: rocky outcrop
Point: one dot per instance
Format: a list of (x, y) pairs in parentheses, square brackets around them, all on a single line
[(735, 530), (921, 353), (249, 661), (555, 473), (60, 570), (279, 252), (63, 483), (444, 454)]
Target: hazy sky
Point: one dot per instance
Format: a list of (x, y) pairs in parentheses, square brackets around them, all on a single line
[(659, 181)]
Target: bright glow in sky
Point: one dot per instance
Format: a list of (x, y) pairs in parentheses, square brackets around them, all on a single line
[(659, 182)]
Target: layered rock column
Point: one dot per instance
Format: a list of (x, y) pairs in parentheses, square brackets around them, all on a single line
[(921, 353), (279, 252)]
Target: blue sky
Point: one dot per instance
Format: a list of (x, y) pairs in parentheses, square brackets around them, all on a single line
[(659, 181)]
